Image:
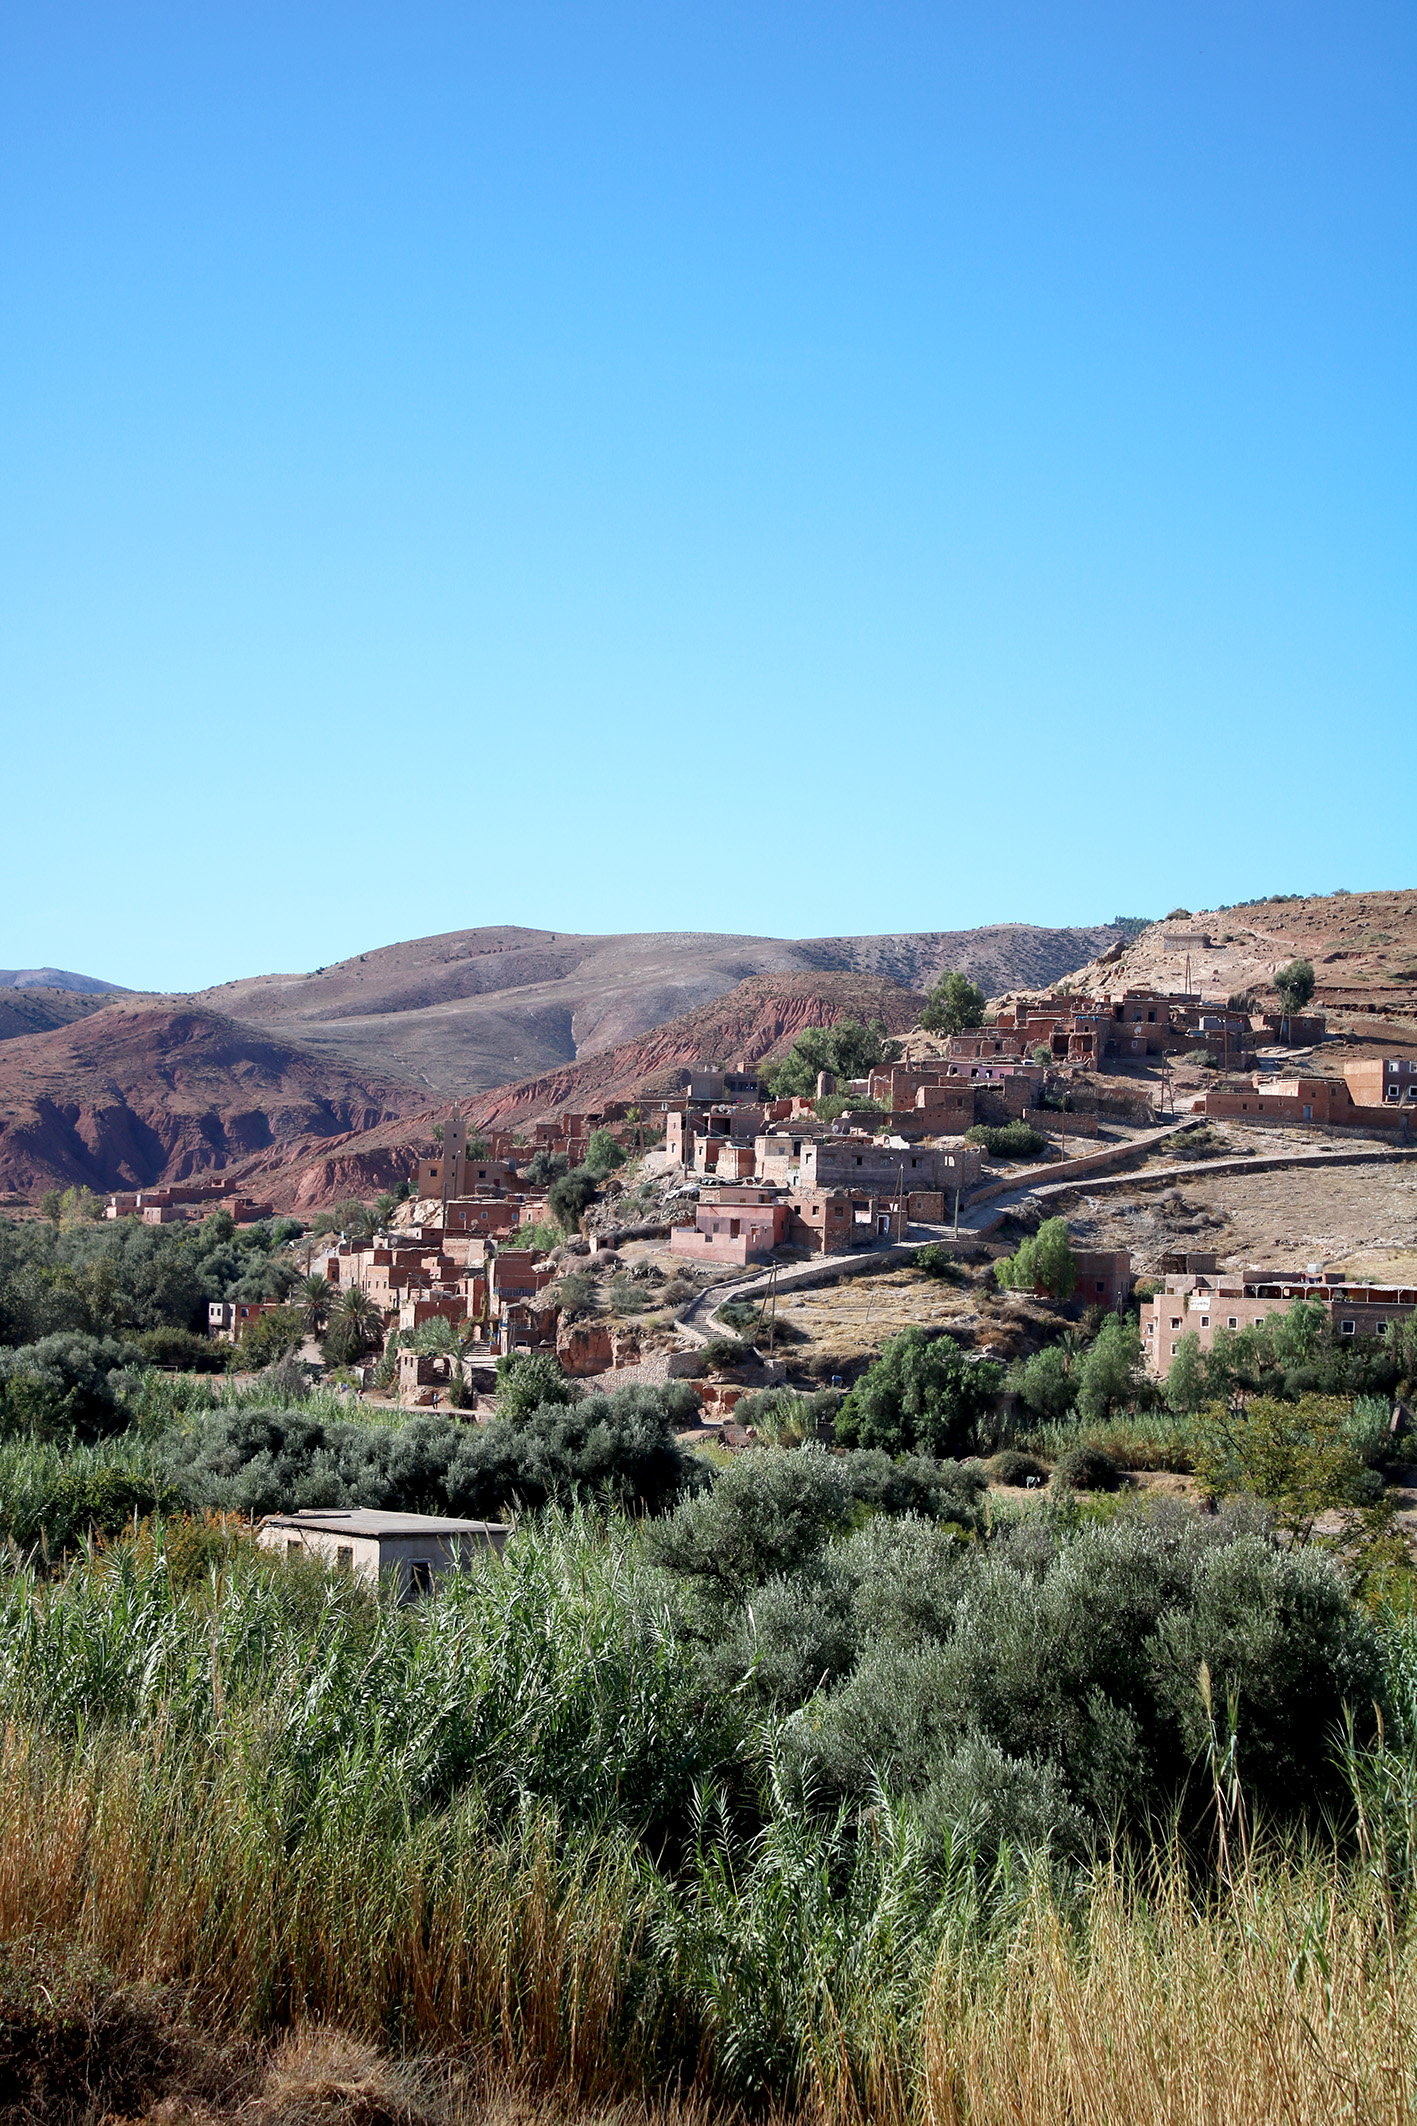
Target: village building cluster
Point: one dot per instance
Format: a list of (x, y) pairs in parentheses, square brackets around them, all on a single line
[(765, 1175)]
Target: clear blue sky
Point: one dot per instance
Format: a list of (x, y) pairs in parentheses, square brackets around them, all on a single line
[(774, 468)]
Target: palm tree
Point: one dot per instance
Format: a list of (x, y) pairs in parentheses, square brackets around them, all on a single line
[(355, 1320), (312, 1295)]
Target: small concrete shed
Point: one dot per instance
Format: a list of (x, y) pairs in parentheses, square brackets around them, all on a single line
[(411, 1549)]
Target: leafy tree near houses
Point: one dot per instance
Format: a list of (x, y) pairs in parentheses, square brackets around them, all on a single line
[(1300, 1458), (954, 1004), (569, 1196), (603, 1154), (1044, 1262), (529, 1381), (268, 1338), (846, 1050), (1295, 984), (921, 1395), (1186, 1381), (1112, 1371), (1044, 1383)]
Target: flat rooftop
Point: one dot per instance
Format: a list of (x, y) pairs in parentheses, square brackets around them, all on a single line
[(368, 1521)]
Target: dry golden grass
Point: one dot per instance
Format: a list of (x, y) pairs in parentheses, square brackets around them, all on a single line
[(446, 1978), (1272, 2010), (854, 1318)]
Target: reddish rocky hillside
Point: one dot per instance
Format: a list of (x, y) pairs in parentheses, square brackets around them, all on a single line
[(760, 1018), (141, 1093)]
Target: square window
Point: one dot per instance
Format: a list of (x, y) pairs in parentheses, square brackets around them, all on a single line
[(1233, 1322), (1348, 1328)]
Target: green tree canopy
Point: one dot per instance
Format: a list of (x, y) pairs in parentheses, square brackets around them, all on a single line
[(1295, 984), (954, 1004), (1043, 1263), (921, 1394), (846, 1050), (1186, 1380), (1112, 1371), (603, 1154), (569, 1196)]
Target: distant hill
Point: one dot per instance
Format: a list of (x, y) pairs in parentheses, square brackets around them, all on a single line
[(58, 978), (473, 1009), (141, 1093), (759, 1018), (35, 1010)]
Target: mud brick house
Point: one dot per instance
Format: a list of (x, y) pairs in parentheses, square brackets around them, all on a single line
[(1295, 1029), (1389, 1081), (872, 1166), (451, 1173), (1104, 1276), (226, 1318), (1377, 1094), (741, 1225), (175, 1198), (1202, 1303), (515, 1275), (487, 1219), (710, 1084)]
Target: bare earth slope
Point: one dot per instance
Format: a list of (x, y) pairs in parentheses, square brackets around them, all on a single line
[(59, 978), (473, 1009), (759, 1018), (141, 1093), (35, 1010), (1363, 947)]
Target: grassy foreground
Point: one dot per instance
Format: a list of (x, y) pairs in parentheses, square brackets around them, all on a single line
[(508, 1830)]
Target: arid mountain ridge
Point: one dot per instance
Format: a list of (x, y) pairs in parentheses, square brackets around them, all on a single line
[(141, 1090), (471, 1010)]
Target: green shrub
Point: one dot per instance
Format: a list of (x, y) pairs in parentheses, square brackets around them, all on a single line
[(935, 1261), (725, 1352), (1087, 1469), (1013, 1467), (65, 1387), (1007, 1140)]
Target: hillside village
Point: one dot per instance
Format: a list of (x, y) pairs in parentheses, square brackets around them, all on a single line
[(949, 1137)]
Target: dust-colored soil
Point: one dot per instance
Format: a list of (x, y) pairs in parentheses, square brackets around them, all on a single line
[(1358, 1218), (850, 1321)]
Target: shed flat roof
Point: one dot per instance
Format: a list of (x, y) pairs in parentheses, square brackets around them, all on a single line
[(367, 1520)]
